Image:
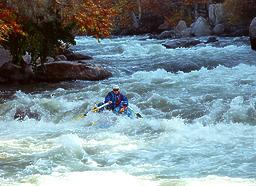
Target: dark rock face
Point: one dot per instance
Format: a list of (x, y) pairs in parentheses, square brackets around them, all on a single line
[(150, 24), (65, 70), (10, 73), (54, 72), (252, 31)]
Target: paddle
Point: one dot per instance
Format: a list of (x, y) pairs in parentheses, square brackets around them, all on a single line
[(138, 115), (94, 109)]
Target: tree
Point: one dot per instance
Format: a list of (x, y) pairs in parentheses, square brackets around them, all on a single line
[(47, 24)]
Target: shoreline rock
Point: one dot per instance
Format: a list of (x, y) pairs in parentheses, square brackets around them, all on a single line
[(65, 67), (252, 31), (54, 72), (72, 70)]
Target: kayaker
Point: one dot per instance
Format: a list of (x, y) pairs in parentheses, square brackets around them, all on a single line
[(117, 101)]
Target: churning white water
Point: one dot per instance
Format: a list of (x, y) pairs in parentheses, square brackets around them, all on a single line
[(198, 128)]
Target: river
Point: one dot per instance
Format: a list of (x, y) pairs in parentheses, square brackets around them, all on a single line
[(198, 128)]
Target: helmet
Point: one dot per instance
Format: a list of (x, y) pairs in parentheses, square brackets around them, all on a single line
[(115, 87)]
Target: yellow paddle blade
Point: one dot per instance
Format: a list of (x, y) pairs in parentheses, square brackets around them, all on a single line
[(95, 109)]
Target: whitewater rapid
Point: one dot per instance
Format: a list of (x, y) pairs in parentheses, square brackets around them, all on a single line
[(198, 128)]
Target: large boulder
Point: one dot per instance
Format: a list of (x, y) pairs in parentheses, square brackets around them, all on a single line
[(66, 70), (201, 27), (252, 33), (216, 14)]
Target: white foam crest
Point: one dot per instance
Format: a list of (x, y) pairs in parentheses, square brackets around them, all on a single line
[(242, 71), (33, 128), (133, 48), (176, 132), (148, 77), (73, 144), (92, 178), (23, 146), (74, 147), (115, 142), (238, 110), (210, 181), (137, 50), (41, 166), (51, 107), (205, 53), (86, 41), (59, 104)]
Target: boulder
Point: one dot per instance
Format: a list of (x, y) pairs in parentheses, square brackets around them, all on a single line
[(201, 27), (219, 29), (181, 26), (73, 56), (181, 43), (186, 32), (216, 14), (211, 40), (252, 33), (167, 34), (66, 70)]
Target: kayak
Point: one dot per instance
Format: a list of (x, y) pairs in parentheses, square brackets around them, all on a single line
[(127, 112), (101, 107)]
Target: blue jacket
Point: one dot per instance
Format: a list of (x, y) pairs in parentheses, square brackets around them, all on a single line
[(116, 99)]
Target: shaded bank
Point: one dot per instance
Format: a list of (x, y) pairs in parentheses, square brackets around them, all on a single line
[(79, 67)]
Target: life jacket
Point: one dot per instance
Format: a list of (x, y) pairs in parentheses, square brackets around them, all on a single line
[(116, 98)]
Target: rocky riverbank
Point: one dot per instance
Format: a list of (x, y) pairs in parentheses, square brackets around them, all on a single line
[(71, 66)]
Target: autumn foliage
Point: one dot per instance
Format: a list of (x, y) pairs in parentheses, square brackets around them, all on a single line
[(8, 22), (42, 26)]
